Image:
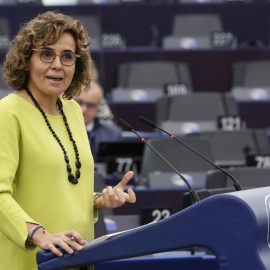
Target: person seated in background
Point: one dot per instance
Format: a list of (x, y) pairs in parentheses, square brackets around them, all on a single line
[(97, 130)]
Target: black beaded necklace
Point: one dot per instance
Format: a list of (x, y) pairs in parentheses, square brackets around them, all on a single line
[(71, 177)]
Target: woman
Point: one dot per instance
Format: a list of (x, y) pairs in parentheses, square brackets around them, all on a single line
[(46, 167)]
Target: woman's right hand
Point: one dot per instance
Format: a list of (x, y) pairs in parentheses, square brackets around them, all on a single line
[(48, 241)]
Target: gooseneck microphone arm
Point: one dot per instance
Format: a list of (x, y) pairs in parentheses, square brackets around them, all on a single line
[(192, 191), (153, 125)]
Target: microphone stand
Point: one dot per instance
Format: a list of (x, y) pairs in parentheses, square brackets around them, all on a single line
[(192, 191), (236, 184)]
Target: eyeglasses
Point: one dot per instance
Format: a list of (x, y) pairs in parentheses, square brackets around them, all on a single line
[(88, 105), (48, 56)]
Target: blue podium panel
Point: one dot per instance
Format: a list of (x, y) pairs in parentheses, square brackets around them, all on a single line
[(181, 263), (234, 226)]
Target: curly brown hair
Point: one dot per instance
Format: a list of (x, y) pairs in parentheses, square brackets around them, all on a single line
[(46, 28)]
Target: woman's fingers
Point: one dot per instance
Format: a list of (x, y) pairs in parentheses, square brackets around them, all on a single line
[(75, 237), (111, 194), (110, 197), (68, 241), (105, 196), (75, 244), (131, 196), (65, 245), (121, 196), (115, 197), (122, 184), (55, 250)]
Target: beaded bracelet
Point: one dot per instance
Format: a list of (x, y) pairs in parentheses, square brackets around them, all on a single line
[(32, 231)]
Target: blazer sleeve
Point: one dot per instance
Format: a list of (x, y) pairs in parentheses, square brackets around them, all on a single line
[(13, 217)]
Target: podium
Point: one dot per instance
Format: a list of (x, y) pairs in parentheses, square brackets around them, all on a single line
[(234, 226)]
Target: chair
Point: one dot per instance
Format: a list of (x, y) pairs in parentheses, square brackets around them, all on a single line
[(196, 107), (249, 177), (230, 148), (187, 25), (251, 74), (117, 223), (4, 26), (194, 112), (92, 27), (152, 74), (139, 95), (99, 182), (250, 80), (146, 81), (2, 82), (99, 226), (5, 33), (9, 2), (172, 180), (162, 109), (261, 139), (191, 31), (4, 89), (251, 93), (183, 159)]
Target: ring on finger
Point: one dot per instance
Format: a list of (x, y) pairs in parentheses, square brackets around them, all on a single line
[(72, 238)]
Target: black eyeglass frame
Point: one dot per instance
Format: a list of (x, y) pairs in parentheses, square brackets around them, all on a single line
[(40, 50)]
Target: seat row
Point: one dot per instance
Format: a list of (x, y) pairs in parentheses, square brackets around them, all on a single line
[(150, 80), (188, 31), (223, 148)]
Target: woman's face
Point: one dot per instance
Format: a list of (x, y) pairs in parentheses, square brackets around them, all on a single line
[(51, 79)]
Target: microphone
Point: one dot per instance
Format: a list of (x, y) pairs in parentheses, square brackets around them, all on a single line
[(192, 191), (236, 184)]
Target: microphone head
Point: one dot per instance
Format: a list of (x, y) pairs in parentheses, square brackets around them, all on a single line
[(124, 124), (147, 122)]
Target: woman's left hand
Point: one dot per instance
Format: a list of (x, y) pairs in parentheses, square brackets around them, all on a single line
[(115, 197)]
